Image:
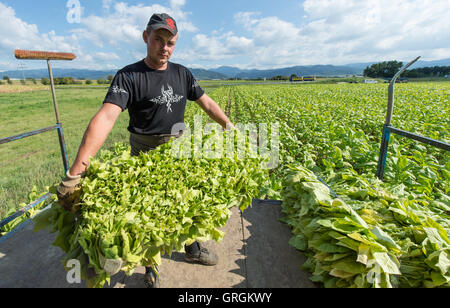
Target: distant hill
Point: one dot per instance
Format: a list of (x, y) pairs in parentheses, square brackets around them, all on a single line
[(228, 71), (202, 74), (317, 70), (225, 72), (94, 75), (418, 64), (59, 72)]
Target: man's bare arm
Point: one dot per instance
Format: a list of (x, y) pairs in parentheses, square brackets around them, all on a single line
[(214, 111), (95, 135)]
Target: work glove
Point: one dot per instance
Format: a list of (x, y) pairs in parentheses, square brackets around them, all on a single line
[(69, 192)]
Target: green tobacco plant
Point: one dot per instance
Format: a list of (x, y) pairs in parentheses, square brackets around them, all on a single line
[(135, 209), (368, 236), (335, 132)]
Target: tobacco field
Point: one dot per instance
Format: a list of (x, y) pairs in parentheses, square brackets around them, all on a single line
[(355, 230)]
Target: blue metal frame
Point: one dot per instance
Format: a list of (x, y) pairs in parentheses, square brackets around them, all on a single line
[(388, 129), (21, 212), (436, 143), (62, 145), (25, 209), (28, 134)]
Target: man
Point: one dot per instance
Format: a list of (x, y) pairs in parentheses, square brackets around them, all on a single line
[(154, 91)]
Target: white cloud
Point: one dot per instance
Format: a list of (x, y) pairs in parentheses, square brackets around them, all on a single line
[(177, 3), (18, 34), (106, 56), (106, 4), (119, 25), (338, 32), (330, 32), (377, 29), (124, 23), (137, 54), (216, 47), (276, 42)]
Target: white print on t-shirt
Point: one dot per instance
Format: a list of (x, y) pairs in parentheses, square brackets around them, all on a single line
[(167, 98), (116, 89)]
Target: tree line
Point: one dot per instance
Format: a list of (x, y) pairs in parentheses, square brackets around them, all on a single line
[(61, 80), (388, 69), (435, 71)]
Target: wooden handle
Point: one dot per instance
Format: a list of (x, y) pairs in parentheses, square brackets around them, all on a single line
[(43, 55)]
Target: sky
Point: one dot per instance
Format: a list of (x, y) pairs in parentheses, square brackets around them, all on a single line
[(249, 34)]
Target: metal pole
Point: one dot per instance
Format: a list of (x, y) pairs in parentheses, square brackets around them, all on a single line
[(58, 121), (27, 134), (24, 210), (52, 85), (62, 145), (386, 130), (391, 91), (436, 143), (20, 213), (383, 152), (23, 73)]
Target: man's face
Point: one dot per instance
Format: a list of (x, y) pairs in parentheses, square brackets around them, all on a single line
[(160, 46)]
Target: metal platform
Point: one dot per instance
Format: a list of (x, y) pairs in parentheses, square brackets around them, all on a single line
[(253, 254)]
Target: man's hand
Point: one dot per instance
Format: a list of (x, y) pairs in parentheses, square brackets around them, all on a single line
[(213, 110), (229, 127), (69, 192)]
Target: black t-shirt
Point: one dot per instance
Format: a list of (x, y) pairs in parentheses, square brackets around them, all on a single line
[(156, 100)]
